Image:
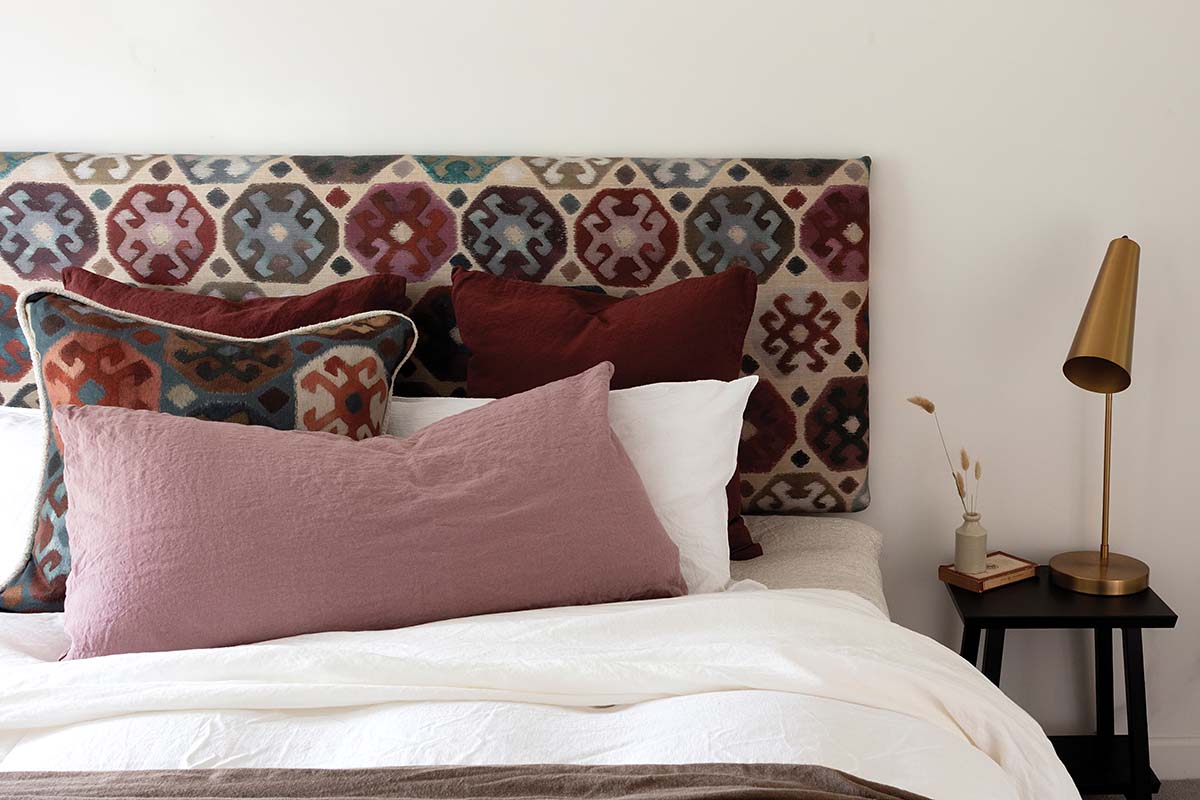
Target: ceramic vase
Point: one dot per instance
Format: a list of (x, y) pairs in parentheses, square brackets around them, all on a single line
[(970, 545)]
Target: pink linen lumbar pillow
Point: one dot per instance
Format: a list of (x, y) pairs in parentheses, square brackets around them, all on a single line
[(189, 534)]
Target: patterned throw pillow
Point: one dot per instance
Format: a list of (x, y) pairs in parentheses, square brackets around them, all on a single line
[(334, 377)]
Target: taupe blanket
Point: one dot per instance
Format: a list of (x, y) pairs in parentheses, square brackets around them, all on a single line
[(676, 782)]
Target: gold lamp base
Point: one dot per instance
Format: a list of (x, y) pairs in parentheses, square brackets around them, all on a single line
[(1082, 571)]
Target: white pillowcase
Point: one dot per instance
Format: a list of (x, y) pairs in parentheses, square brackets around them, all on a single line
[(681, 437), (22, 450)]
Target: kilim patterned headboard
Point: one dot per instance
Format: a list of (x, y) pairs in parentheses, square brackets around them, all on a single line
[(240, 226)]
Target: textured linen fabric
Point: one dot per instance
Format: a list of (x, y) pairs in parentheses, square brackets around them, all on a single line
[(682, 439), (802, 676), (816, 553), (522, 335), (334, 377), (525, 782), (250, 317), (238, 226), (526, 503)]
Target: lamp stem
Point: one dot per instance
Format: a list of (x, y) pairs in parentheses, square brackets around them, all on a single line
[(1107, 464)]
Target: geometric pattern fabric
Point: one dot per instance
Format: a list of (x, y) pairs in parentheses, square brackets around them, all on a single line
[(244, 226)]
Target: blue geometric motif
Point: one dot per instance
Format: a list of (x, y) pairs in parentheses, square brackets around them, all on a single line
[(280, 233)]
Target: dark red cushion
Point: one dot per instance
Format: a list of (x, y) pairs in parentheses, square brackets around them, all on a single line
[(250, 319), (522, 335)]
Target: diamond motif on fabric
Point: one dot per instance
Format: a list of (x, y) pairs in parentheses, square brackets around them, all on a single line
[(100, 199), (274, 399), (569, 203), (337, 197), (182, 396)]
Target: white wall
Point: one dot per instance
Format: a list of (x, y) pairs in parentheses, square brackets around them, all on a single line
[(1011, 142)]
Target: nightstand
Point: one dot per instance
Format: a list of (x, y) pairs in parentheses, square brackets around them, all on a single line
[(1103, 763)]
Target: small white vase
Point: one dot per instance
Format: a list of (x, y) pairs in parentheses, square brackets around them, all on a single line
[(970, 545)]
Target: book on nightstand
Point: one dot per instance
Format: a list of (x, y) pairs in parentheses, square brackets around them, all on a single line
[(1002, 569)]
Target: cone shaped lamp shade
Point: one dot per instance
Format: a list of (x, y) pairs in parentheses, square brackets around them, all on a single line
[(1101, 357), (1101, 360)]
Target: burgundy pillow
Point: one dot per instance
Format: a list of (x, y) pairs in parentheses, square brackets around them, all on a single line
[(527, 502), (523, 334), (248, 319)]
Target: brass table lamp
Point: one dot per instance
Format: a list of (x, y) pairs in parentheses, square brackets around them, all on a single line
[(1101, 360)]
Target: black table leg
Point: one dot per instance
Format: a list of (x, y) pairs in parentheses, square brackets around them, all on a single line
[(1135, 700), (970, 643), (993, 654), (1104, 682)]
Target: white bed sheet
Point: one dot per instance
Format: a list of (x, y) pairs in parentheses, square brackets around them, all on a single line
[(802, 676)]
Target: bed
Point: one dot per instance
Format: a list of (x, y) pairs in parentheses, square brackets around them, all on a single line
[(792, 681), (822, 678)]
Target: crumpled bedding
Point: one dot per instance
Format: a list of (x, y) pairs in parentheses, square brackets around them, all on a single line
[(802, 676)]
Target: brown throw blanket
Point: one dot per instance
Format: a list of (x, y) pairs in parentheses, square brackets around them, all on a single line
[(676, 782)]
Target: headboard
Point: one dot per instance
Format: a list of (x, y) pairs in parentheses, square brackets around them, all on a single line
[(241, 226)]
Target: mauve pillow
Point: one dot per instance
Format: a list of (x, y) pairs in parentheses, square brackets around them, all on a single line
[(528, 502), (249, 319), (524, 334)]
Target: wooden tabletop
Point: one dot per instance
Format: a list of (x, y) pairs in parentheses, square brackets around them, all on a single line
[(1038, 603)]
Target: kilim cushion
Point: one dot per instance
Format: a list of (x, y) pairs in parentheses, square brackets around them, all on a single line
[(239, 226), (334, 377)]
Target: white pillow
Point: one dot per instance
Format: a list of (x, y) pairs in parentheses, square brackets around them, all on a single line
[(22, 450), (681, 437)]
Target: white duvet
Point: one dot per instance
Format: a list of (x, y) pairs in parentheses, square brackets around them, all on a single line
[(803, 676)]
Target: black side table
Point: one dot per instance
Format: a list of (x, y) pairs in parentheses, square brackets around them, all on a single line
[(1103, 763)]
